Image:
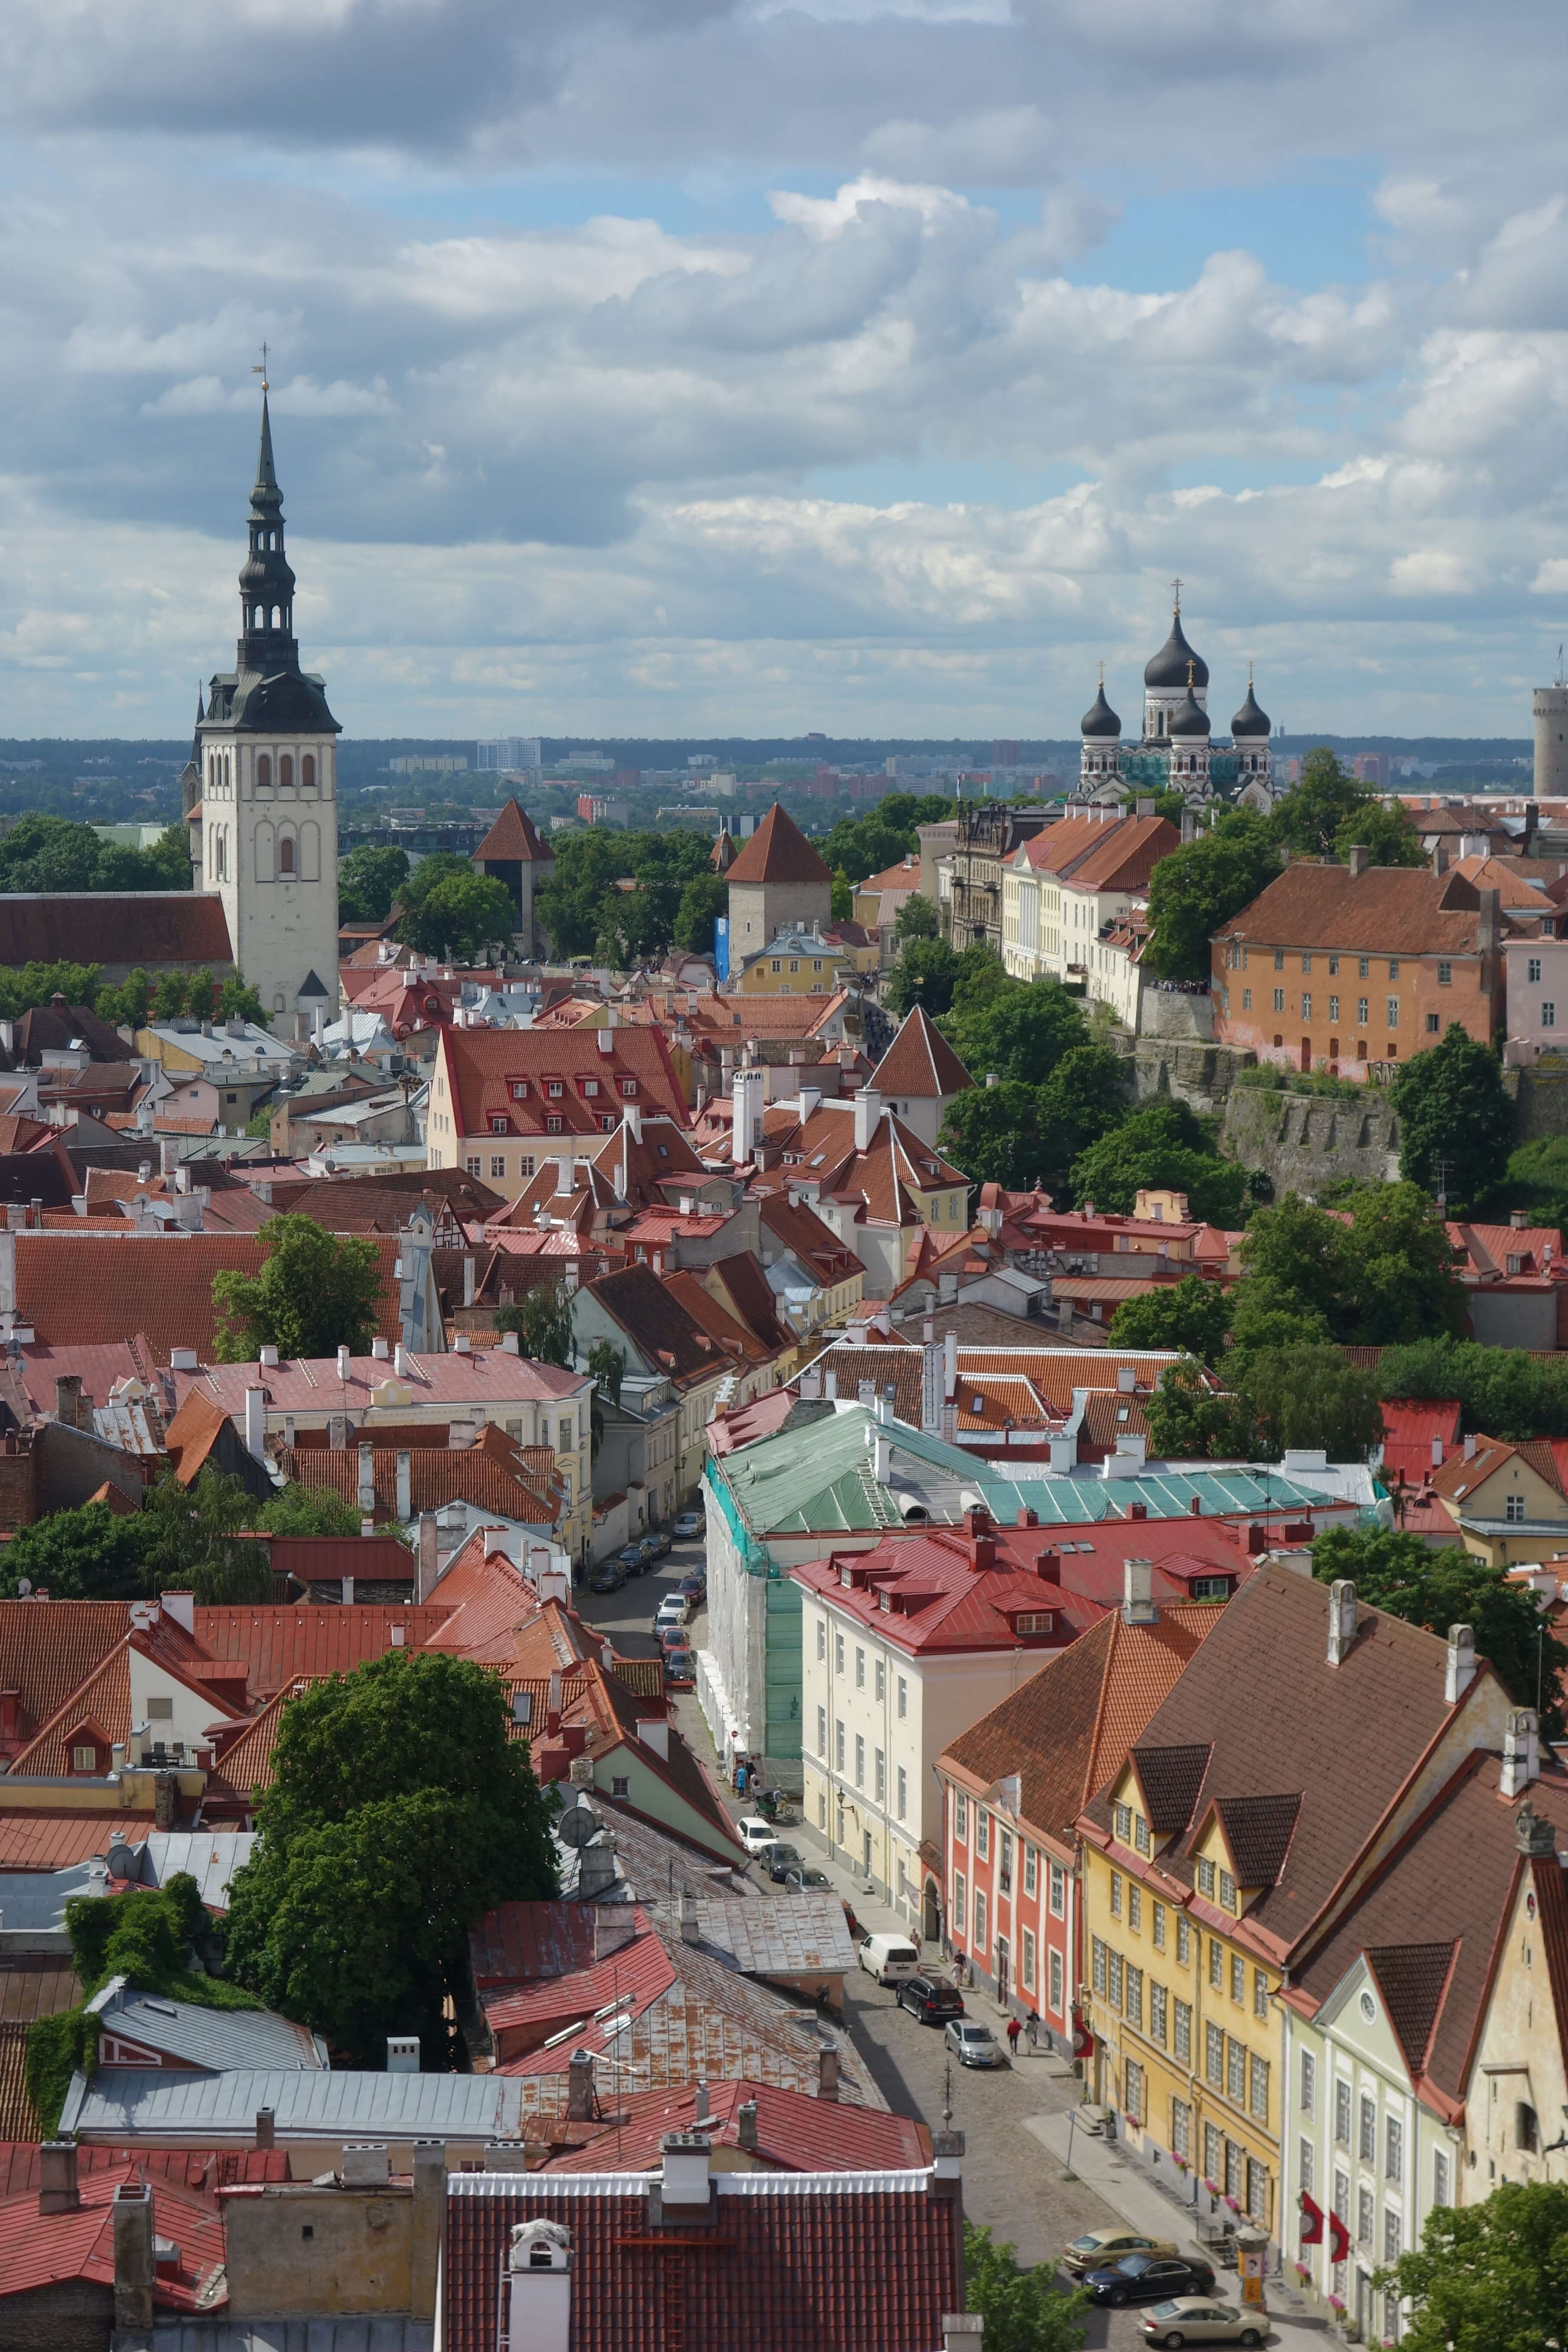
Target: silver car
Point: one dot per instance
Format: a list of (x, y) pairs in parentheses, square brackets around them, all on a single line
[(1201, 2319), (974, 2044)]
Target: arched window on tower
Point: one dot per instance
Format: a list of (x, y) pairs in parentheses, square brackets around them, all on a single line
[(286, 854), (307, 771), (286, 770), (264, 771), (228, 769)]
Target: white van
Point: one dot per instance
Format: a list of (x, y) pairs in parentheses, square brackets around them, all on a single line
[(891, 1959)]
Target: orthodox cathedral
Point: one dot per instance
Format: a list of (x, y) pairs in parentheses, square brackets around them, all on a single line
[(1176, 750), (259, 792)]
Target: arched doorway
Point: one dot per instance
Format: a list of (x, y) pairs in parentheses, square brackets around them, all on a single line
[(931, 1913)]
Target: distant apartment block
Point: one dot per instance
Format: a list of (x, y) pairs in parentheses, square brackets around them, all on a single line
[(508, 754)]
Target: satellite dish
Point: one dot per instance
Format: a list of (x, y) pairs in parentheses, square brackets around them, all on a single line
[(23, 1586), (578, 1825), (122, 1860)]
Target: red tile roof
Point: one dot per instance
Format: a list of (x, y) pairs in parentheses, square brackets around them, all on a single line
[(861, 2265), (484, 1068), (920, 1062), (128, 927), (32, 1839), (796, 2131), (778, 851), (103, 1701), (192, 2168), (278, 1646), (92, 1288), (491, 1474), (513, 836), (45, 2250), (1392, 910), (1411, 1426)]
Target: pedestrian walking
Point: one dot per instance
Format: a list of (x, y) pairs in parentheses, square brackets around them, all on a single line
[(1013, 2030), (1033, 2030)]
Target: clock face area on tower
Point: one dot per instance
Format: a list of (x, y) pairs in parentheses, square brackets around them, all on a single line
[(262, 784)]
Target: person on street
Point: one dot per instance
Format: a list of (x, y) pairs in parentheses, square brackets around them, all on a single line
[(1013, 2030)]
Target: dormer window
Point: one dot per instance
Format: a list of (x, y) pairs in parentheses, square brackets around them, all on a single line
[(497, 1127), (1033, 1621), (520, 1089), (1205, 1876), (84, 1760), (554, 1089), (590, 1086), (1227, 1891), (1124, 1823), (552, 1126), (628, 1088)]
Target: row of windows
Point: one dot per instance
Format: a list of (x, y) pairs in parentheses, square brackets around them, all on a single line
[(880, 1764), (958, 1921), (1057, 1882), (878, 1666), (1239, 2073)]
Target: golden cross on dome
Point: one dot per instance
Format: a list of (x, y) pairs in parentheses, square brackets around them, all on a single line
[(1189, 678), (1176, 592), (1102, 673), (261, 370)]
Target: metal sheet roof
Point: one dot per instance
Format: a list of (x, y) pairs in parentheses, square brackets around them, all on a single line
[(209, 1856), (215, 2039), (333, 2334), (792, 1935), (121, 2106)]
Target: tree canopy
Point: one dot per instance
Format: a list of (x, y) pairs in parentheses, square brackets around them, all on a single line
[(1023, 2309), (401, 1811), (1330, 810), (1376, 1273), (542, 1319), (1506, 1391), (858, 845), (316, 1291), (1456, 1120), (1200, 885), (930, 972), (1162, 1143), (1191, 1316), (52, 853), (460, 916), (704, 898), (369, 880), (1491, 2277), (194, 1538), (1402, 1574), (586, 912), (1018, 1028), (917, 919), (1273, 1399)]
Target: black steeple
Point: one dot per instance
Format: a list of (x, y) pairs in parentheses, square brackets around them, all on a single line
[(266, 642)]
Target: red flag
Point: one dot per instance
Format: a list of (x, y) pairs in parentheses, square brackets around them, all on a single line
[(1339, 2240), (1312, 2221)]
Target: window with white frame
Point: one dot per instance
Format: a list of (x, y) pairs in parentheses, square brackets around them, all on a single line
[(1058, 1890), (838, 1743), (1031, 1871), (960, 1904), (880, 1777), (982, 1835), (822, 1641), (859, 1668), (1026, 1958), (902, 1785), (1309, 2083), (1342, 2117), (859, 1761), (1393, 2150), (903, 1697), (821, 1731), (1055, 1993), (1366, 2147), (881, 1679), (980, 1922)]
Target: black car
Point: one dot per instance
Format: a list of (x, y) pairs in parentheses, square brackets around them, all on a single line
[(610, 1578), (1149, 2278), (782, 1860), (806, 1882), (631, 1559), (930, 1999)]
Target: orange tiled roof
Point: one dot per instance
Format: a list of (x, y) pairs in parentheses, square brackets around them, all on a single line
[(1396, 910), (513, 836), (920, 1062), (90, 1288), (779, 852)]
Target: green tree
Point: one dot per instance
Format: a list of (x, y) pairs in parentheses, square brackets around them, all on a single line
[(858, 845), (1491, 2277), (1401, 1573), (1018, 1028), (1456, 1119), (1328, 802), (841, 905), (190, 1540), (607, 1369), (1397, 1267), (300, 1510), (993, 1133), (169, 859), (1084, 1098), (1190, 1419), (401, 1811), (1309, 1397), (917, 919), (315, 1293), (1201, 886), (926, 973), (1191, 1316), (1024, 2310), (1385, 834), (370, 878), (462, 915), (90, 1553), (35, 983), (1161, 1144), (704, 898), (1506, 1391), (1536, 1181), (542, 1319)]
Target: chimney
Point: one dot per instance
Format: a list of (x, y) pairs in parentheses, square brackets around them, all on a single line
[(746, 2126), (166, 1799), (58, 2190), (1126, 1379), (961, 2331), (614, 1927), (653, 1731), (403, 2054), (830, 1387), (1534, 1836), (469, 1278), (367, 1478), (264, 2137), (563, 1176), (1470, 1448), (867, 1117), (380, 1351), (1521, 1751), (702, 2107), (685, 2180), (1357, 859), (1189, 827), (1437, 1454), (580, 2100), (256, 1423), (67, 1399), (1461, 1671), (1137, 1594), (400, 1361), (1049, 1565), (344, 1360), (1341, 1621), (405, 1488), (135, 2268), (884, 1462), (1256, 1539), (1489, 922), (537, 2315), (690, 1930), (1518, 1219), (827, 2070), (426, 1566), (950, 1364), (181, 1608), (947, 2149)]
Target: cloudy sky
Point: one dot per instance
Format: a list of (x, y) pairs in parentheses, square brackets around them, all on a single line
[(718, 365)]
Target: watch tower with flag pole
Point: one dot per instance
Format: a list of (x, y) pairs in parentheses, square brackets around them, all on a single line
[(264, 833)]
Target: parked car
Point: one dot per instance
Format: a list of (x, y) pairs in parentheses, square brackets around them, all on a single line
[(693, 1587), (891, 1959), (807, 1882), (661, 1541), (679, 1670), (609, 1579), (931, 2000), (782, 1861), (631, 1559), (754, 1833), (974, 2044), (685, 1525), (673, 1637), (672, 1610), (1199, 2319), (647, 1550), (1150, 2278), (1097, 2249)]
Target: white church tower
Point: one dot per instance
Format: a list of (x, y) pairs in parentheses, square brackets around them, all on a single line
[(264, 835)]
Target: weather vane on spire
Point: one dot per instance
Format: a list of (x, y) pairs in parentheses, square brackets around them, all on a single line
[(261, 370), (1176, 592)]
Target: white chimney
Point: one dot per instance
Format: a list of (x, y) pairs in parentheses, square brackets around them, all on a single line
[(380, 1354), (1520, 1751), (1462, 1663), (867, 1117), (884, 1465), (268, 1358), (181, 1608), (747, 1098), (367, 1478), (1437, 1454), (961, 2331), (685, 2180), (653, 1731), (538, 2316), (405, 1488), (400, 1361), (1137, 1594), (1126, 1379), (344, 1360), (256, 1423), (563, 1176), (950, 1368), (1341, 1621), (403, 2054)]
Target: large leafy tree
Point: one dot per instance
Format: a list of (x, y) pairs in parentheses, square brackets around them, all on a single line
[(90, 1553), (1191, 1316), (928, 973), (369, 878), (1328, 805), (858, 845), (994, 1134), (1018, 1028), (1023, 2309), (1456, 1120), (1311, 1396), (704, 898), (917, 919), (53, 853), (1377, 1271), (1400, 1572), (316, 1291), (1506, 1391), (1491, 2277), (1386, 835), (1161, 1144), (1200, 885), (1084, 1098), (542, 1319), (1192, 1421), (401, 1811), (461, 917)]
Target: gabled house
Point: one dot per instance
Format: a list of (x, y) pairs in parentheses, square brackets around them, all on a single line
[(1506, 1501), (919, 1077)]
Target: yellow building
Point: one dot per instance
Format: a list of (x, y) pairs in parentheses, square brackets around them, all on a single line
[(1507, 1501), (801, 962)]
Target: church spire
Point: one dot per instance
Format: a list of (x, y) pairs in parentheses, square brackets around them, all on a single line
[(265, 582)]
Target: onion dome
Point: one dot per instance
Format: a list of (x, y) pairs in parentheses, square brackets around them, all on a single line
[(1175, 664), (1190, 720), (1099, 720), (1249, 720)]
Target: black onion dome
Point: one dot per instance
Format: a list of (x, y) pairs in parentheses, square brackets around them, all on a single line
[(1099, 720), (1249, 720), (1190, 720), (1176, 662)]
